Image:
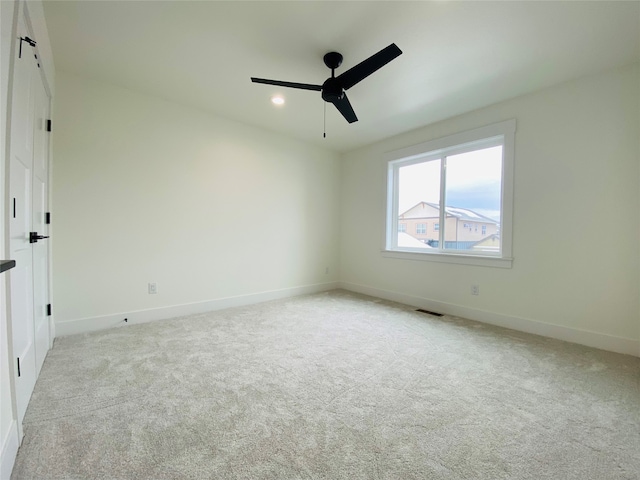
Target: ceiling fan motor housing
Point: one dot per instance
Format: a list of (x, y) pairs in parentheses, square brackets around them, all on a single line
[(332, 90)]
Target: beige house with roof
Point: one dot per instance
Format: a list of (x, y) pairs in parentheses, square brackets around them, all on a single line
[(422, 221)]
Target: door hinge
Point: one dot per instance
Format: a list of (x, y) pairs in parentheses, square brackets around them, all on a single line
[(18, 366), (47, 218), (32, 43), (48, 125), (48, 310)]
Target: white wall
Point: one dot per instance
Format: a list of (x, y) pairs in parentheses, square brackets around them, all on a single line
[(576, 269), (146, 190)]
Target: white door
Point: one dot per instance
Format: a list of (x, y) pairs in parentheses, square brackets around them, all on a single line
[(27, 193)]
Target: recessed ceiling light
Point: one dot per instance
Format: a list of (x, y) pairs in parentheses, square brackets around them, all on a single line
[(277, 100)]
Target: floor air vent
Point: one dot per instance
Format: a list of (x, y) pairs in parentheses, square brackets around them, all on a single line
[(422, 310)]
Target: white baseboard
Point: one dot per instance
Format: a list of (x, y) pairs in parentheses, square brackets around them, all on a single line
[(84, 325), (52, 331), (10, 445), (583, 337)]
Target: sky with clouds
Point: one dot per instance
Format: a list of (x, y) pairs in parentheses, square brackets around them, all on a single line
[(473, 181)]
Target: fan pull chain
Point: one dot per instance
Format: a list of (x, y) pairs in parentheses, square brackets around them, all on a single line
[(324, 134)]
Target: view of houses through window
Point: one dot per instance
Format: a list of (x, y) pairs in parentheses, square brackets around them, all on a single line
[(472, 197)]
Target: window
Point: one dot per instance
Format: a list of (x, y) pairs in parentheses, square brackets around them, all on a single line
[(421, 228), (402, 227), (462, 181)]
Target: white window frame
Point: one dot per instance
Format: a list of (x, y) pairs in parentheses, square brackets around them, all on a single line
[(502, 133)]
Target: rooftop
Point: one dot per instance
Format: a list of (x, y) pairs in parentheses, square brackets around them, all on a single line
[(418, 211)]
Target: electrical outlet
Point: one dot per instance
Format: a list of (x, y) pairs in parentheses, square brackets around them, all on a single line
[(326, 270), (475, 289), (153, 288)]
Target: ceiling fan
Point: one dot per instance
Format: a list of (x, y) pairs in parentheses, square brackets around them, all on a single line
[(333, 89)]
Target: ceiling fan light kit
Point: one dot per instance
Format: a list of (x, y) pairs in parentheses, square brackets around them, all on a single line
[(333, 89)]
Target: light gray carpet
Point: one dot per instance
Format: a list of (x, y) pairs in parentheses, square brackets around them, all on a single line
[(330, 386)]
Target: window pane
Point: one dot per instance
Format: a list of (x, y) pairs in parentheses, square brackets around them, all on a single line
[(418, 204), (472, 199)]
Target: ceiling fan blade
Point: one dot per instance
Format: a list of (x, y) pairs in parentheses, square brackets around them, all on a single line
[(344, 107), (304, 86), (365, 68)]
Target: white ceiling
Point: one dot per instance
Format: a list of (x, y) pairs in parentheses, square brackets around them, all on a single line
[(458, 56)]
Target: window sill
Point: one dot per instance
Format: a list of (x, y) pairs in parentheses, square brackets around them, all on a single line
[(460, 259)]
